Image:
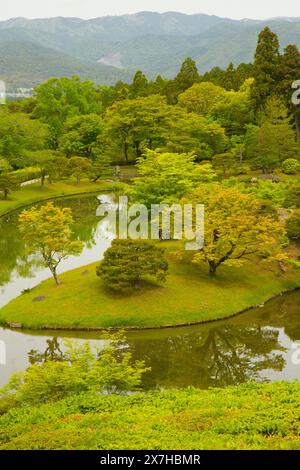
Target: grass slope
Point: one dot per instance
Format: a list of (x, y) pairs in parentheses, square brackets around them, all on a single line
[(190, 295), (34, 193), (251, 416)]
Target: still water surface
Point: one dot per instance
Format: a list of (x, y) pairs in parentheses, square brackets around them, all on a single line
[(263, 344)]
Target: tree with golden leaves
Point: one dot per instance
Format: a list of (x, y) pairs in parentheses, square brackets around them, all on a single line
[(47, 230), (236, 228)]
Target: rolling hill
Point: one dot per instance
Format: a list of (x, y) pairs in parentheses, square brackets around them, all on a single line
[(111, 48)]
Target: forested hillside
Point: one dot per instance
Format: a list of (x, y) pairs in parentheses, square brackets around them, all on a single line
[(156, 43), (227, 141)]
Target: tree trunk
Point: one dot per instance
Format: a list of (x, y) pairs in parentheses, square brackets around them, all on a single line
[(138, 151), (42, 181), (126, 151), (297, 122), (54, 274), (78, 180), (212, 268), (5, 193), (241, 157)]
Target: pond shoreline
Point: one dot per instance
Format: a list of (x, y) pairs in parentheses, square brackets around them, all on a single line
[(16, 326), (129, 314), (52, 198)]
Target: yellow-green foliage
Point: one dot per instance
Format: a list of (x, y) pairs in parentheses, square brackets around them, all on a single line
[(251, 416)]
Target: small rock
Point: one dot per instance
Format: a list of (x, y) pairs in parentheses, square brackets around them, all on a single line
[(39, 298), (15, 325)]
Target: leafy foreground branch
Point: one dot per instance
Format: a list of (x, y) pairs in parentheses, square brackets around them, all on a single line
[(80, 369)]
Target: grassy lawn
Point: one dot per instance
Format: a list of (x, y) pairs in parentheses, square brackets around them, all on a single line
[(128, 170), (251, 416), (190, 295), (34, 193)]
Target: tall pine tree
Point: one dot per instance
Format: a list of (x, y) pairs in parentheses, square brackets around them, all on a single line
[(187, 76), (266, 64), (289, 71)]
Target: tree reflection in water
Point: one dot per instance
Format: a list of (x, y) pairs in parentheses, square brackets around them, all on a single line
[(13, 256), (215, 356), (248, 347), (53, 352)]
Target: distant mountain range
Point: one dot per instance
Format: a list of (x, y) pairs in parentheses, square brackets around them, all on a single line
[(112, 48)]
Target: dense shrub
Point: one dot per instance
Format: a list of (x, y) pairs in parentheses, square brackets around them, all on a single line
[(293, 227), (80, 369), (251, 416), (291, 166), (127, 262)]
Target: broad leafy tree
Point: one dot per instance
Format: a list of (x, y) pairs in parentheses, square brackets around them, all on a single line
[(133, 124), (45, 160), (236, 228), (202, 97), (8, 183), (79, 167), (81, 135), (20, 134), (47, 231), (101, 168), (167, 177), (60, 98), (224, 163), (235, 111)]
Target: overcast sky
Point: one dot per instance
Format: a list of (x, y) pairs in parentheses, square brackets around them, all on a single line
[(94, 8)]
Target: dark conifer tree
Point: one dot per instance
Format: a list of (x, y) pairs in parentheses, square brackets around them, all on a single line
[(289, 71), (187, 76), (266, 67)]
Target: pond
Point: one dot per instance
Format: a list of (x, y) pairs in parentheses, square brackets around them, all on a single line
[(19, 271), (261, 345)]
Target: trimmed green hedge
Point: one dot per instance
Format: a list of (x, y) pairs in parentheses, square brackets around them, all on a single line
[(27, 174)]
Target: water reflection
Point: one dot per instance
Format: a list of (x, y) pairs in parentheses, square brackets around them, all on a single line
[(53, 352), (253, 346), (19, 272), (212, 356)]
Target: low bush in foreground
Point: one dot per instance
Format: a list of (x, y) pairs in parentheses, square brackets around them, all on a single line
[(251, 416), (81, 368)]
